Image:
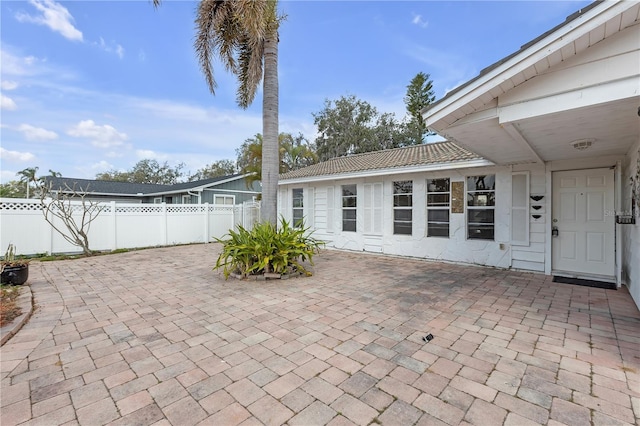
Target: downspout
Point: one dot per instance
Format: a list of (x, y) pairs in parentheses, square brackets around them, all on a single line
[(199, 195)]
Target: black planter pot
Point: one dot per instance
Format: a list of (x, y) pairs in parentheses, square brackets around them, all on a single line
[(16, 275)]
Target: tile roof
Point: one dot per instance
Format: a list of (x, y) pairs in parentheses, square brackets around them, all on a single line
[(426, 154)]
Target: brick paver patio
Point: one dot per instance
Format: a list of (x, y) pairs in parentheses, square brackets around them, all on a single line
[(156, 337)]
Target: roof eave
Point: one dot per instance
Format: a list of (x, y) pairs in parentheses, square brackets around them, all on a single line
[(390, 171), (566, 33)]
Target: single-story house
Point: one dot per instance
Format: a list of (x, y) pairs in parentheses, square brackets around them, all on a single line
[(535, 174), (228, 190)]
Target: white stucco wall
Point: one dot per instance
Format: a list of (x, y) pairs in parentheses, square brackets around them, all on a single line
[(630, 234), (456, 248)]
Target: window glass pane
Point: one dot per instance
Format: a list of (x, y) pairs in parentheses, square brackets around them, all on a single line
[(481, 199), (349, 225), (402, 228), (438, 200), (349, 214), (438, 185), (480, 216), (403, 215), (438, 215), (481, 183), (349, 202), (403, 187), (402, 200), (438, 230), (348, 190), (481, 232)]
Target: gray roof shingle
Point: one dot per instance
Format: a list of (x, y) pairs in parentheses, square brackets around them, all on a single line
[(128, 188), (426, 154)]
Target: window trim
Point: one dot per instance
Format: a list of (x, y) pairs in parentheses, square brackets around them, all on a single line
[(354, 208), (446, 208), (233, 199), (300, 224), (467, 208), (397, 208)]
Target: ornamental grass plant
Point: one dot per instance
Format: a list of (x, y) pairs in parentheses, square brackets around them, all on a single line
[(265, 249)]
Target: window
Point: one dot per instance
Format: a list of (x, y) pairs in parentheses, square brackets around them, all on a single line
[(481, 201), (157, 200), (186, 199), (402, 207), (349, 204), (438, 198), (226, 200), (298, 210)]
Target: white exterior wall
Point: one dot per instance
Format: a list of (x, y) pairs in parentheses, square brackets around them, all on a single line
[(630, 234), (456, 248)]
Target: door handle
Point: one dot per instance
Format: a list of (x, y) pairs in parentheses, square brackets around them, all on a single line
[(554, 231)]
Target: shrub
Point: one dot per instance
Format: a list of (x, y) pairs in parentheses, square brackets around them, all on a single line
[(265, 249)]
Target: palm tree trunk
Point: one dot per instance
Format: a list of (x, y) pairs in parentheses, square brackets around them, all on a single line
[(270, 157)]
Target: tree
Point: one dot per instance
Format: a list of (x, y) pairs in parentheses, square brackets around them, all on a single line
[(12, 189), (59, 206), (146, 171), (27, 177), (294, 152), (216, 169), (419, 95), (352, 126), (243, 35)]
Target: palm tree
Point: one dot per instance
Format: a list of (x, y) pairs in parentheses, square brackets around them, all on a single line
[(27, 176), (243, 35)]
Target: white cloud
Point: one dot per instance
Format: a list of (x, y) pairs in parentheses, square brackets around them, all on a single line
[(104, 136), (32, 133), (110, 48), (7, 176), (417, 20), (142, 56), (8, 85), (5, 154), (102, 166), (7, 103), (53, 15)]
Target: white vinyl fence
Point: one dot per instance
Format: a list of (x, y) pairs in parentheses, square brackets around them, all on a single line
[(122, 225)]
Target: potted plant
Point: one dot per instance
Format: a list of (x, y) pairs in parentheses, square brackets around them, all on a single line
[(13, 271)]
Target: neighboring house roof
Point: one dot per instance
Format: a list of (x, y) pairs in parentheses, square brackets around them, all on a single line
[(105, 187), (418, 156)]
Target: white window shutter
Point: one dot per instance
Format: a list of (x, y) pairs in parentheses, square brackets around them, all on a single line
[(368, 208), (377, 208), (310, 207), (330, 208), (520, 209), (286, 206)]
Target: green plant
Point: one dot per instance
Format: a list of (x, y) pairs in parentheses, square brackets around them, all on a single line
[(10, 259), (265, 249)]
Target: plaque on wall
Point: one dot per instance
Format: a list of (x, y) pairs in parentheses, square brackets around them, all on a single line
[(457, 197)]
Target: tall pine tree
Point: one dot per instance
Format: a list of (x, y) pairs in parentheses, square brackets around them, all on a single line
[(419, 95)]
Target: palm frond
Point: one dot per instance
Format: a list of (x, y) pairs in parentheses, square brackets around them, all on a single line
[(249, 70)]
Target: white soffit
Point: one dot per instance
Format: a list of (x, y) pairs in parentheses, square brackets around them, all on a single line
[(602, 20)]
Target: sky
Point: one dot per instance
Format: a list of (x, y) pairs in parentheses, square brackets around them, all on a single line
[(91, 86)]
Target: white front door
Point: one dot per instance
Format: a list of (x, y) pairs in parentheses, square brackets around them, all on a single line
[(583, 213)]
